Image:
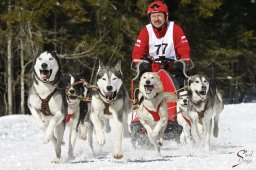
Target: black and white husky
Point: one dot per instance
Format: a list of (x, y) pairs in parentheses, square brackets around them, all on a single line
[(183, 117), (45, 100), (111, 100), (77, 111), (205, 106)]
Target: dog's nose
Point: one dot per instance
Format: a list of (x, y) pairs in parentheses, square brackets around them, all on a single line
[(109, 88), (147, 82), (44, 65), (185, 100), (72, 91), (203, 87)]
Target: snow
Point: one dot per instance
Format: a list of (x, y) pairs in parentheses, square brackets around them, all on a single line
[(22, 148)]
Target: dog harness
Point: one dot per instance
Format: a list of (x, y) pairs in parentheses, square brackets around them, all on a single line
[(45, 104), (186, 119), (154, 113), (68, 117)]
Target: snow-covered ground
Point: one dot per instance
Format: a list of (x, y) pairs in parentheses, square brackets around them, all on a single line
[(22, 148)]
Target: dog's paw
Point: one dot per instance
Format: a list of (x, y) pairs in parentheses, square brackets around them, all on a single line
[(118, 155), (100, 138), (56, 161), (160, 142), (90, 154), (42, 126), (83, 136), (47, 137)]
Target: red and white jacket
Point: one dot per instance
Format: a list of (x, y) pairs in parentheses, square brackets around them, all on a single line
[(170, 41)]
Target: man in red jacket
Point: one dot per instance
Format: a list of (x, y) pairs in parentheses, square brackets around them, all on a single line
[(159, 45), (160, 38)]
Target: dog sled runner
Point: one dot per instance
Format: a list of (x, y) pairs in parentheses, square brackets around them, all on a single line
[(170, 84)]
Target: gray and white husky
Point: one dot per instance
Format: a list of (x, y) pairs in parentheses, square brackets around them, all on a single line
[(205, 106), (78, 111), (111, 100), (45, 100)]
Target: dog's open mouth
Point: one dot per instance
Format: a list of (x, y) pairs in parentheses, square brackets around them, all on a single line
[(45, 75), (148, 88), (71, 99), (202, 93), (110, 96)]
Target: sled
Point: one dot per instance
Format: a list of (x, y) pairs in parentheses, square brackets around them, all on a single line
[(139, 136)]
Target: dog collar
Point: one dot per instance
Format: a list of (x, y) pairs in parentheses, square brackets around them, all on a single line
[(154, 113)]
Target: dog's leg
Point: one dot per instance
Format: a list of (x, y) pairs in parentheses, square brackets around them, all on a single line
[(215, 125), (127, 133), (37, 117), (107, 127), (59, 132), (161, 135), (161, 123), (98, 128), (90, 141), (83, 130), (119, 135), (52, 124), (153, 140), (72, 139), (146, 126), (208, 129)]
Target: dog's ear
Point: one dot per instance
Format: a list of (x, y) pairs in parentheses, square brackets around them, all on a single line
[(188, 85), (101, 66), (118, 66)]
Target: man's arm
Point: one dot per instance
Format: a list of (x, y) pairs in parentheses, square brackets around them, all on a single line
[(140, 50), (181, 44)]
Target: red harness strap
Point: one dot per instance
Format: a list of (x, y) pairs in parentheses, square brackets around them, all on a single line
[(154, 113), (187, 120), (68, 117)]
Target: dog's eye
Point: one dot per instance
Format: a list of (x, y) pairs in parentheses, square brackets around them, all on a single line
[(152, 77), (40, 58), (103, 78), (197, 81), (114, 78), (50, 59), (144, 77)]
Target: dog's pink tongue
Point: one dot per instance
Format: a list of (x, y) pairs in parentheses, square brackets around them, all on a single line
[(43, 77)]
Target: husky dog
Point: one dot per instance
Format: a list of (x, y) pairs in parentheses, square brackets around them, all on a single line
[(110, 100), (152, 111), (183, 117), (45, 100), (205, 106), (78, 111)]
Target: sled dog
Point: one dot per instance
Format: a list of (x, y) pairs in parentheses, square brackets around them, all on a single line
[(183, 117), (46, 100), (77, 111), (205, 106), (153, 111), (111, 100)]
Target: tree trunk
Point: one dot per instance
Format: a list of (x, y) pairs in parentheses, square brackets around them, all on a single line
[(9, 65), (22, 74)]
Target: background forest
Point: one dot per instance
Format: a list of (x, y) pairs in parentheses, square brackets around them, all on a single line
[(222, 36)]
